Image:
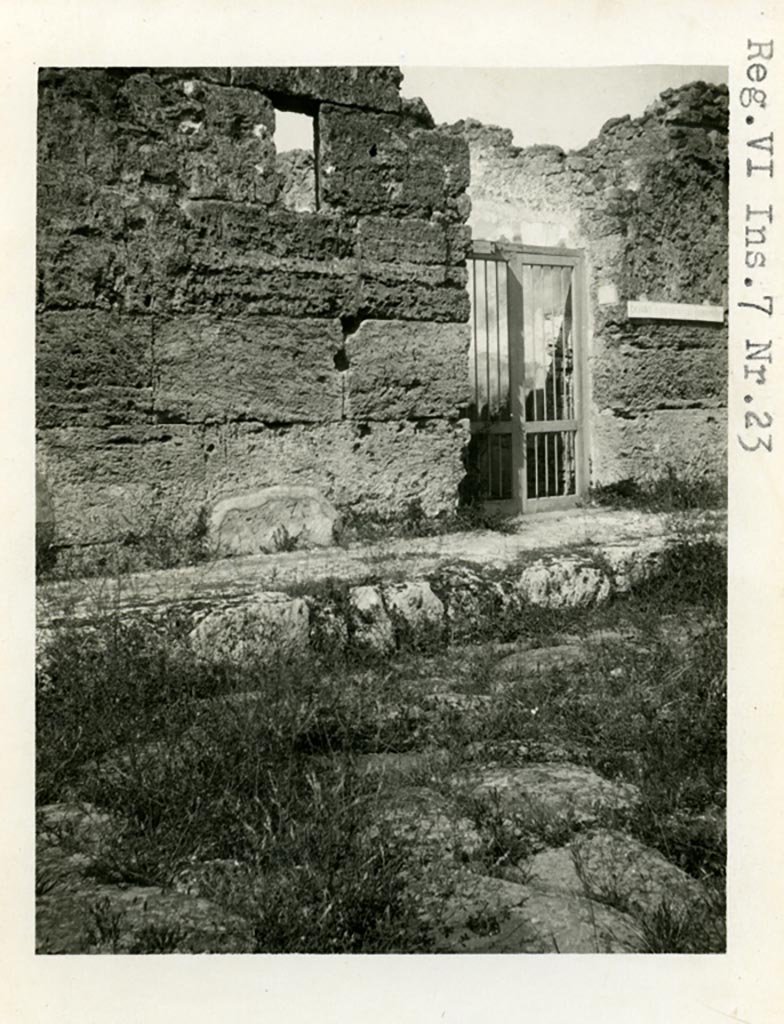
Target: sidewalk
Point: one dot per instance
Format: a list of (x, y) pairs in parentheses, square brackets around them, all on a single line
[(230, 580)]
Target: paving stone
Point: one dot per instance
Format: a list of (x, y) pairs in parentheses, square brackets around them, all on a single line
[(617, 867), (561, 790), (492, 915), (538, 661), (77, 914)]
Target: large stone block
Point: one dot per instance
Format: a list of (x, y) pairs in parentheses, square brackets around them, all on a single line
[(629, 380), (241, 228), (97, 271), (692, 442), (79, 271), (390, 240), (135, 130), (410, 291), (265, 368), (230, 154), (377, 467), (613, 326), (93, 368), (274, 519), (107, 483), (374, 87), (90, 513), (407, 370), (223, 136), (381, 164), (110, 482), (71, 202), (76, 127), (89, 132), (112, 454), (391, 465), (219, 281)]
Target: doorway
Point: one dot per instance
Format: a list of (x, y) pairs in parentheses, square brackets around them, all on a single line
[(527, 449)]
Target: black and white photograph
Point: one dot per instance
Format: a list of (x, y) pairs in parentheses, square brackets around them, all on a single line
[(382, 489), (390, 423)]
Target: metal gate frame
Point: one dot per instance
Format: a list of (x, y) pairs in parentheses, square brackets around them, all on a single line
[(516, 256)]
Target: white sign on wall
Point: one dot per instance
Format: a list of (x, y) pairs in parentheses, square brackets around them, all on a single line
[(675, 311)]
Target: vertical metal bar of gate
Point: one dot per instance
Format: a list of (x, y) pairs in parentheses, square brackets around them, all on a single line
[(555, 368), (497, 307), (515, 313), (486, 350)]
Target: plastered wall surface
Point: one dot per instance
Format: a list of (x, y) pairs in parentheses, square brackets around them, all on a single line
[(201, 334), (647, 203)]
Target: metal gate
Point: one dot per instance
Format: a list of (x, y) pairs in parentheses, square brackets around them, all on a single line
[(527, 440)]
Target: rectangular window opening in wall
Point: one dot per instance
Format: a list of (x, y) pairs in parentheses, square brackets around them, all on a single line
[(527, 449), (296, 147)]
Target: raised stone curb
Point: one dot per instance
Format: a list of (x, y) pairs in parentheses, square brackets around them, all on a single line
[(272, 620), (369, 622)]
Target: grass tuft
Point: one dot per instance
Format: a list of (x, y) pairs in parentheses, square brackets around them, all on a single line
[(669, 493)]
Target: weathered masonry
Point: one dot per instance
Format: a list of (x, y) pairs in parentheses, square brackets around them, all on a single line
[(197, 337), (215, 317), (599, 340)]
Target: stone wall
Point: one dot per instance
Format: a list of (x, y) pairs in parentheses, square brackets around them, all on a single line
[(200, 334), (647, 202)]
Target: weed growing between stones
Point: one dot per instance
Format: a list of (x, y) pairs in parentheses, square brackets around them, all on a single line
[(45, 553), (669, 493), (367, 528), (696, 929), (164, 544), (509, 838)]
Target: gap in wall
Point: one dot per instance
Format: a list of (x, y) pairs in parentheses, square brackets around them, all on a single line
[(296, 145)]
